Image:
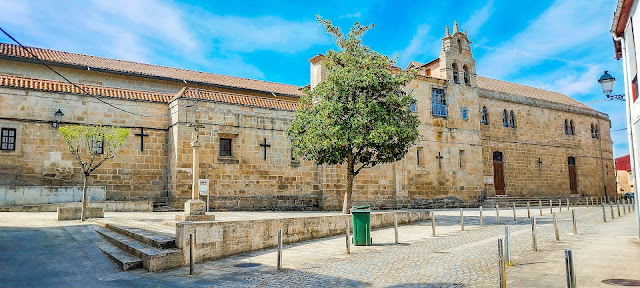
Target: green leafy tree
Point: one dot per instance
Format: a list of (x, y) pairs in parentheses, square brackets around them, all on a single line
[(92, 146), (360, 114)]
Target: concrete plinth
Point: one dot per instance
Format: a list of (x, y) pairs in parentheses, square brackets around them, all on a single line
[(74, 213), (194, 210)]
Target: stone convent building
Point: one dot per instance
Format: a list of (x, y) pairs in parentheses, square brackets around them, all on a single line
[(480, 136)]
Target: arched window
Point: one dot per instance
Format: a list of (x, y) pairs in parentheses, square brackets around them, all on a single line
[(465, 70), (505, 121), (571, 128), (485, 117), (459, 46), (456, 80), (512, 120), (566, 126), (593, 132), (597, 131)]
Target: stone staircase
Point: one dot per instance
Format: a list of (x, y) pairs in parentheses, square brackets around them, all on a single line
[(133, 248), (533, 201)]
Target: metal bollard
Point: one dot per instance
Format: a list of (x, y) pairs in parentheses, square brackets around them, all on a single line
[(395, 226), (461, 220), (604, 213), (540, 206), (279, 264), (560, 205), (571, 276), (573, 220), (191, 242), (501, 267), (555, 227), (528, 210), (497, 215), (611, 206), (481, 220), (514, 212), (534, 241), (618, 205), (551, 206), (507, 253), (433, 225), (346, 225)]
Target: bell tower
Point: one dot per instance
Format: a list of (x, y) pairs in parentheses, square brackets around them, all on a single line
[(456, 60)]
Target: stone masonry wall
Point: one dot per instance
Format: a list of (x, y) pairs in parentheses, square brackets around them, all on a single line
[(41, 157)]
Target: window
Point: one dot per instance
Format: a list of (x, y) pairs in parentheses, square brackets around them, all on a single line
[(566, 126), (459, 46), (634, 88), (593, 131), (428, 72), (438, 102), (465, 114), (505, 121), (571, 131), (461, 159), (97, 145), (596, 132), (225, 147), (485, 117), (512, 120), (465, 70), (293, 156), (418, 156), (456, 79), (8, 139), (413, 107)]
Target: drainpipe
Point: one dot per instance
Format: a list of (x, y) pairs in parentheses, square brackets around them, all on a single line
[(628, 103)]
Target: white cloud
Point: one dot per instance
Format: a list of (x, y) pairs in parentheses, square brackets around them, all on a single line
[(568, 81), (417, 46), (478, 18), (562, 27), (353, 15), (245, 34)]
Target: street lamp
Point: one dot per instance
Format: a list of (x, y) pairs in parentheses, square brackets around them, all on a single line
[(606, 82), (57, 117)]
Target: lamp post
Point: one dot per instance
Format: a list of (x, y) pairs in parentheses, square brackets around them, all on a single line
[(606, 82), (57, 117)]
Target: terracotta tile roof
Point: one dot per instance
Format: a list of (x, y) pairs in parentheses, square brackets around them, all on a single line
[(148, 70), (64, 87), (253, 101), (224, 97), (526, 91)]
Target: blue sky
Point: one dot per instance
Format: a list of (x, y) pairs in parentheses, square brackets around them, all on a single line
[(561, 45)]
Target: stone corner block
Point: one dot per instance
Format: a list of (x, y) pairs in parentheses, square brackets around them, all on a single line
[(195, 207)]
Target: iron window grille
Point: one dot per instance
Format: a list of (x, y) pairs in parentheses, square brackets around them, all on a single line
[(439, 102), (8, 139), (225, 147)]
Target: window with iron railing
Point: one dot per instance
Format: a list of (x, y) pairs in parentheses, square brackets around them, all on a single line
[(439, 103)]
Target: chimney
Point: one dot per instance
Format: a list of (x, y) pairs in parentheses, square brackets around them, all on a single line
[(318, 70)]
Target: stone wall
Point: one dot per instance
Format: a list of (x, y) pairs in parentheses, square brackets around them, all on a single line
[(41, 157), (539, 134), (215, 240)]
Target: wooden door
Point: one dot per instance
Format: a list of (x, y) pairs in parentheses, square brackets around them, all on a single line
[(498, 173), (573, 179)]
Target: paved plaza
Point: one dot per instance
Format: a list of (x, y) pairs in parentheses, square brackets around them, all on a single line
[(37, 251)]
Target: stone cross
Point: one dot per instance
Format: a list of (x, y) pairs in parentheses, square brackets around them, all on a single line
[(196, 130), (439, 160), (264, 145), (142, 135), (539, 164)]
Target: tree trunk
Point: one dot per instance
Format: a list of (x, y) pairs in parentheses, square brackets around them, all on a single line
[(84, 198), (350, 176)]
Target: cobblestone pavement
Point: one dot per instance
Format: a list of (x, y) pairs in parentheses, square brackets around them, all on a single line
[(459, 259), (452, 259)]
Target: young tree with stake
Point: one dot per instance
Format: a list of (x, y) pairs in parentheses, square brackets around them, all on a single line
[(360, 114)]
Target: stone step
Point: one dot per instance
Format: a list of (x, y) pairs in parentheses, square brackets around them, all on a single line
[(122, 259), (153, 259), (153, 239)]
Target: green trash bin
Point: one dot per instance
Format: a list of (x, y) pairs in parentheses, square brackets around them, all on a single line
[(361, 216)]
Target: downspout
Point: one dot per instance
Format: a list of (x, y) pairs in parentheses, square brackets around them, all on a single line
[(629, 127)]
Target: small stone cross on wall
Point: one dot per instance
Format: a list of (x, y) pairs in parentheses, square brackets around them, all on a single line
[(539, 164), (142, 135), (264, 145), (439, 157)]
